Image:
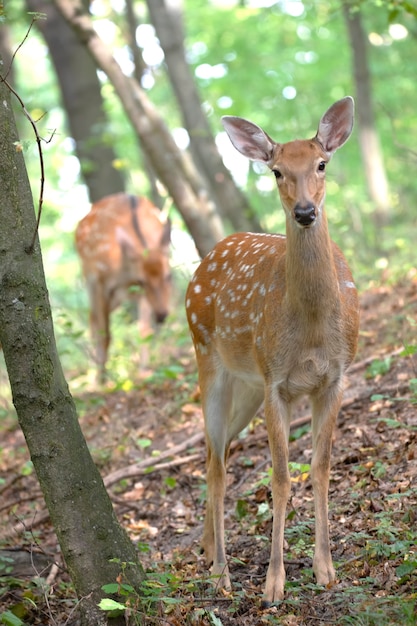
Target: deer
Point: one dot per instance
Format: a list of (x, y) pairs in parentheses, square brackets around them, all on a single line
[(274, 318), (123, 244)]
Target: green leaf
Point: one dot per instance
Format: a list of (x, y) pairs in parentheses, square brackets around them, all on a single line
[(379, 367), (107, 604), (409, 351), (406, 568), (216, 621), (144, 443), (10, 619), (378, 396), (241, 508), (111, 588), (171, 482)]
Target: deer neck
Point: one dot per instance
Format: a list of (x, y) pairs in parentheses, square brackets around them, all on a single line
[(311, 280)]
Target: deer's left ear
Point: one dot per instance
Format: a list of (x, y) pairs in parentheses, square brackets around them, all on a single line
[(336, 125), (166, 233)]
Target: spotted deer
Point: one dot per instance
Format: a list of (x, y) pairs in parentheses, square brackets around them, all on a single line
[(272, 319), (123, 244)]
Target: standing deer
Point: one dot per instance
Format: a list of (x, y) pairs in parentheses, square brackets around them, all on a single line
[(123, 243), (272, 319)]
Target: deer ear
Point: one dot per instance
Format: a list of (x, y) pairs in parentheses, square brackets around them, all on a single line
[(336, 125), (126, 242), (166, 233), (249, 138)]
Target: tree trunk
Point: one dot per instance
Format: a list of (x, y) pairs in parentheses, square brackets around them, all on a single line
[(82, 101), (372, 157), (176, 172), (80, 509), (167, 18), (138, 72)]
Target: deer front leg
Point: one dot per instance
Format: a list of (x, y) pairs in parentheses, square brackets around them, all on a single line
[(325, 410), (278, 415)]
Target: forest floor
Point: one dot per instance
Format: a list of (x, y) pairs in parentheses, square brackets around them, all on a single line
[(148, 445)]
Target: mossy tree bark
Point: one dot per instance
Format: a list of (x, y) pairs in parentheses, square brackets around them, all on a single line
[(80, 509), (81, 97)]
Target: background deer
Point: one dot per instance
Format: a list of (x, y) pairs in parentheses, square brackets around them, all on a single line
[(123, 242), (274, 318)]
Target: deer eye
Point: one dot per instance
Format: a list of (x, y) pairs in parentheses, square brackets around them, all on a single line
[(277, 174), (322, 166)]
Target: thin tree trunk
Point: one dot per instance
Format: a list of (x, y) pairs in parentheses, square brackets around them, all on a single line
[(167, 18), (82, 101), (176, 172), (80, 510), (372, 157), (138, 72)]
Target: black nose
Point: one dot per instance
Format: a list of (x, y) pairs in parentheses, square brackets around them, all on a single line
[(305, 215), (160, 317)]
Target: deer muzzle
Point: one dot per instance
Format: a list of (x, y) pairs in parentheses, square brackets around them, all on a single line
[(160, 316), (305, 215)]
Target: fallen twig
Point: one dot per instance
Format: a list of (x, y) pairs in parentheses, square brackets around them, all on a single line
[(365, 362), (138, 469)]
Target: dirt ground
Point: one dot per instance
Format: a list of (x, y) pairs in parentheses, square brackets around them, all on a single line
[(148, 445)]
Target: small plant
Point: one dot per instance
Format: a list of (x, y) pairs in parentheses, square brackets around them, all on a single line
[(379, 367)]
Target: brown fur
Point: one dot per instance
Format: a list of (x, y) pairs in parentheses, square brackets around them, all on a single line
[(274, 318)]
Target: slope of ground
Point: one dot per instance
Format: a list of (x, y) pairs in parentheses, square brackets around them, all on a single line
[(149, 447)]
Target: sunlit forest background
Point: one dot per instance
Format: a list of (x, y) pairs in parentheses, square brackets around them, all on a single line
[(279, 64)]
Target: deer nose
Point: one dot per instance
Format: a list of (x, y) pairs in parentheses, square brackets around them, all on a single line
[(160, 317), (305, 215)]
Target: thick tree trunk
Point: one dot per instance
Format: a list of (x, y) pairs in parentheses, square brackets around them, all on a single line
[(82, 101), (372, 157), (80, 509), (167, 18), (176, 172)]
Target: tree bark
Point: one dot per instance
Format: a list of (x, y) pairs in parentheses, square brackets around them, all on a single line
[(167, 18), (82, 101), (372, 157), (80, 509), (138, 72), (175, 171)]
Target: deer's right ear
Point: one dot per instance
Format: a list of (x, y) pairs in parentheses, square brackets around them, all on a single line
[(249, 138)]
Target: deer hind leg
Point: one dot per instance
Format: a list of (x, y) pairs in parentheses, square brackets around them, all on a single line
[(278, 416), (325, 409), (100, 326), (228, 406)]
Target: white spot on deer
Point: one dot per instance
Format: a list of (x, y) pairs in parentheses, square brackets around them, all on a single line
[(197, 289), (194, 318), (212, 267)]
